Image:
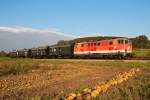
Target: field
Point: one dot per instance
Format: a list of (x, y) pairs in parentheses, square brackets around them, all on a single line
[(55, 78), (141, 54)]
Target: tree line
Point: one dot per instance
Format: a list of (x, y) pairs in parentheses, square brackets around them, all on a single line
[(140, 41)]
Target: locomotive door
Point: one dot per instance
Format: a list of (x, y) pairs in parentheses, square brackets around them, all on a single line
[(111, 47), (93, 47)]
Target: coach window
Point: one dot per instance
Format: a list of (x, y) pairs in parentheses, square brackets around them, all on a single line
[(110, 43), (94, 44), (91, 44), (88, 44), (59, 49), (50, 49), (54, 49)]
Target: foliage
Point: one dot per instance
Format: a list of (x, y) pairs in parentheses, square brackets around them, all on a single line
[(22, 66), (85, 39), (62, 42), (16, 68), (141, 54), (139, 42)]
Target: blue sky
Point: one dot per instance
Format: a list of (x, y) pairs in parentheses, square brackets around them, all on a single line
[(79, 17)]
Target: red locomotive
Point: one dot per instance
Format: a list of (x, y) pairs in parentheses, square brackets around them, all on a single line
[(118, 47)]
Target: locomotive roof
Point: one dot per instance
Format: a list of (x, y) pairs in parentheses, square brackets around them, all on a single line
[(113, 38)]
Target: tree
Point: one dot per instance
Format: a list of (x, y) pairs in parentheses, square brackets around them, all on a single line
[(62, 42), (141, 42)]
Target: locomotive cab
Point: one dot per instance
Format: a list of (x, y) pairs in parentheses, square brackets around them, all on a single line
[(125, 46)]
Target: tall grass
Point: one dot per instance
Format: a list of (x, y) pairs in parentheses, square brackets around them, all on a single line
[(22, 66), (16, 68)]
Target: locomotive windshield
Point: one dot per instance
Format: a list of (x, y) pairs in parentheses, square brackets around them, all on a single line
[(123, 41)]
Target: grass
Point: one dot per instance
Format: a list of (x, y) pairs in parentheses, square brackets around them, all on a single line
[(44, 79), (22, 66), (141, 54), (16, 68)]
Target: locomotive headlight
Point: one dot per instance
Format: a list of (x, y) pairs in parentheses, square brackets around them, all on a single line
[(115, 47)]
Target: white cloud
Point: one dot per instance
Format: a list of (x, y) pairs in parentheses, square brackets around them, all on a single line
[(28, 30), (26, 37), (92, 35)]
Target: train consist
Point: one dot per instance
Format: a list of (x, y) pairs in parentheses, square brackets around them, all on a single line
[(112, 48)]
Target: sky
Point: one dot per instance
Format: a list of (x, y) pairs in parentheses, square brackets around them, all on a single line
[(75, 18)]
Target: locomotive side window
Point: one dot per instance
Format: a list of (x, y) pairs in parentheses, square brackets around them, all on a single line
[(119, 41), (82, 45), (126, 41), (110, 43), (98, 44)]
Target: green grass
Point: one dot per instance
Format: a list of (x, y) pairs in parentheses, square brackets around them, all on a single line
[(142, 53), (17, 66)]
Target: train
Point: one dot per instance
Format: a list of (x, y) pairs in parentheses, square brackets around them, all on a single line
[(107, 48)]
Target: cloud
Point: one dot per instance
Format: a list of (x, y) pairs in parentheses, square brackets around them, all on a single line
[(28, 30), (26, 37), (92, 35)]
